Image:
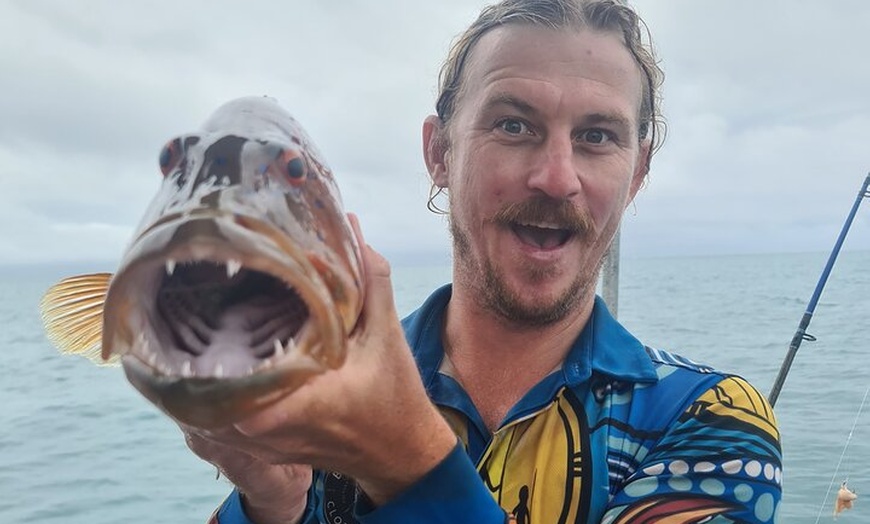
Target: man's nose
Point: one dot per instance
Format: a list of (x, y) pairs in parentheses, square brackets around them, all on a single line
[(554, 172)]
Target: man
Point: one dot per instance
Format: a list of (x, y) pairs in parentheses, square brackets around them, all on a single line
[(546, 125)]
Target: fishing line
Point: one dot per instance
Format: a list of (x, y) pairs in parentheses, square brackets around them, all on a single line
[(801, 333), (843, 454)]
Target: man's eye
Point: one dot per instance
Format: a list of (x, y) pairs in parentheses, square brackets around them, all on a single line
[(595, 136), (513, 126)]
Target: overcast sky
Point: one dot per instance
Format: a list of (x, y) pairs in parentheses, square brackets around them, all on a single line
[(768, 107)]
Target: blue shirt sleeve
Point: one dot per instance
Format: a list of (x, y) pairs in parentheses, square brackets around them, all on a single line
[(452, 492), (720, 460), (232, 511)]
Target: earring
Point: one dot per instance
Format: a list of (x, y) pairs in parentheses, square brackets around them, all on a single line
[(435, 192)]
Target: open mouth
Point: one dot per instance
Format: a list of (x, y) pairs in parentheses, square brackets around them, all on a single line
[(210, 319), (542, 237)]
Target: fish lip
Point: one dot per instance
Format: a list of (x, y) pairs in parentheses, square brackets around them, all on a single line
[(267, 253), (211, 403)]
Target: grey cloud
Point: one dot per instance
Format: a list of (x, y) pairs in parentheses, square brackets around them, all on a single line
[(766, 104)]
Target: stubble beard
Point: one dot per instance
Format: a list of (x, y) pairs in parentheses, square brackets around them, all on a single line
[(490, 288)]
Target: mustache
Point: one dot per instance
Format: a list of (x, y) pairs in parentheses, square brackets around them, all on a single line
[(544, 209)]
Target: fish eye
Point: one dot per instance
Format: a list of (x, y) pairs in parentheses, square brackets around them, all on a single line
[(295, 167), (170, 156)]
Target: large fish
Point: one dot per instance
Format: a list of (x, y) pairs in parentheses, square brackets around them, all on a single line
[(242, 281)]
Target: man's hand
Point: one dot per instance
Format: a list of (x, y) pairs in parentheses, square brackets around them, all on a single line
[(271, 493)]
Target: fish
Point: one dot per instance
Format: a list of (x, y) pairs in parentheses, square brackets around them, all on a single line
[(845, 498), (242, 281)]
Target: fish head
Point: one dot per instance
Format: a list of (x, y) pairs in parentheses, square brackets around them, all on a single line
[(244, 277)]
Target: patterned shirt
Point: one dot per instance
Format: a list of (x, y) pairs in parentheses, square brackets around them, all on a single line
[(620, 433)]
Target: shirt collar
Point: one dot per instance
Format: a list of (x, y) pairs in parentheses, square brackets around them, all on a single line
[(604, 346)]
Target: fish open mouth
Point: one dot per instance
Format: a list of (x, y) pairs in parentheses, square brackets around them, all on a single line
[(216, 317), (221, 319), (212, 341)]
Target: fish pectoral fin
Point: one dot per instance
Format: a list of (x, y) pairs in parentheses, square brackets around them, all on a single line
[(72, 315)]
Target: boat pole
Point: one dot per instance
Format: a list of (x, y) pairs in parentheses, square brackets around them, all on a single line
[(801, 333), (610, 276)]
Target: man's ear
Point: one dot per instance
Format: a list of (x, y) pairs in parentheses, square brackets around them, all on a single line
[(435, 149)]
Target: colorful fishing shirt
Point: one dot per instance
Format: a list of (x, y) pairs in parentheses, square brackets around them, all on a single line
[(621, 433)]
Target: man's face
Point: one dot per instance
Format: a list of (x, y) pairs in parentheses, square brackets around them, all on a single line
[(543, 156)]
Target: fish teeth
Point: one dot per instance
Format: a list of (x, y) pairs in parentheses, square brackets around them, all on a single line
[(279, 348), (170, 266), (291, 345), (233, 267), (219, 371), (186, 369), (263, 364), (144, 347)]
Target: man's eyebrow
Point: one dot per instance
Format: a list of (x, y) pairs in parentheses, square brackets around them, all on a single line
[(606, 118), (505, 99)]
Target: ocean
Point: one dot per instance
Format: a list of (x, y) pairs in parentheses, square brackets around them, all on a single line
[(79, 445)]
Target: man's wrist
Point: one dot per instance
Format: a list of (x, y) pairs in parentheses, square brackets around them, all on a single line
[(437, 446), (452, 492)]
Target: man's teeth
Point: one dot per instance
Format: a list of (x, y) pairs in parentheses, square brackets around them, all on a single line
[(543, 225)]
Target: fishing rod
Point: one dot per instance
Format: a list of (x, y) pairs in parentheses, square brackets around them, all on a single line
[(801, 333)]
